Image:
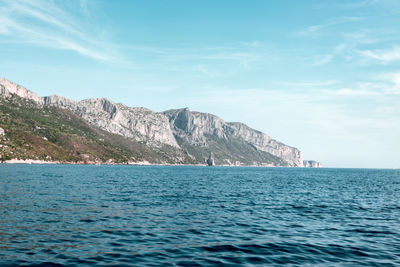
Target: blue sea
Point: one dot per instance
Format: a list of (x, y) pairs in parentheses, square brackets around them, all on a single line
[(79, 215)]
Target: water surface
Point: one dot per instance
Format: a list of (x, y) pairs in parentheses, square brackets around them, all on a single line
[(205, 216)]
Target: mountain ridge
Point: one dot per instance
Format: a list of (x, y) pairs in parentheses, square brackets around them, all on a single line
[(195, 134)]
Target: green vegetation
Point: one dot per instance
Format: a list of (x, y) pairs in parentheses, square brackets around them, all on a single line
[(42, 132), (48, 133)]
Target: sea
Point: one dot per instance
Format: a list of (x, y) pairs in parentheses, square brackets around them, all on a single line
[(82, 215)]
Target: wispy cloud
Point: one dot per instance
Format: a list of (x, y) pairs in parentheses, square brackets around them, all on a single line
[(383, 85), (357, 4), (322, 59), (389, 6), (353, 92), (329, 23), (44, 23), (383, 56), (391, 82), (309, 83), (206, 71)]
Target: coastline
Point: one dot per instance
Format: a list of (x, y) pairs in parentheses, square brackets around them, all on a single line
[(135, 163), (140, 163)]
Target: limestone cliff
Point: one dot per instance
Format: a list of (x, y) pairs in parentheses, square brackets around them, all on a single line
[(140, 124), (196, 134), (7, 88), (197, 128)]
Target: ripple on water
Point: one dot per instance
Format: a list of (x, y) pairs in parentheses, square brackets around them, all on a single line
[(194, 216)]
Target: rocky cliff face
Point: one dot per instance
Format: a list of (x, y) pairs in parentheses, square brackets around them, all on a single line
[(195, 128), (264, 143), (140, 124), (7, 88), (196, 134)]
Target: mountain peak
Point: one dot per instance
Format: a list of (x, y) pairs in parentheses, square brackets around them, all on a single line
[(9, 88)]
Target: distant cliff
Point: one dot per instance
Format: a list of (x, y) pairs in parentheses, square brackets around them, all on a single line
[(181, 136), (232, 143)]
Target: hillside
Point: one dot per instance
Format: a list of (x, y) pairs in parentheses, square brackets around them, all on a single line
[(98, 131), (53, 134)]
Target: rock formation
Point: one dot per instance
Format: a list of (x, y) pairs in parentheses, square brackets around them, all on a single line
[(7, 88), (210, 161), (311, 164)]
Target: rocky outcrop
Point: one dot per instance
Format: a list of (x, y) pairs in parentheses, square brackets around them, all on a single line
[(60, 101), (210, 161), (7, 88), (194, 126), (2, 132), (311, 164), (140, 124)]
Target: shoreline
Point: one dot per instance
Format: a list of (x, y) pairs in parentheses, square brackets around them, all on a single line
[(138, 163), (141, 163)]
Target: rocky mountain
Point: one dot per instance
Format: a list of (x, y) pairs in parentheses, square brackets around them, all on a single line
[(8, 88), (141, 124), (202, 133), (29, 131), (181, 136)]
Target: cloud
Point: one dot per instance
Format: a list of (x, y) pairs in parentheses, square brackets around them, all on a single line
[(391, 82), (252, 44), (354, 92), (329, 23), (206, 71), (309, 83), (374, 5), (359, 4), (383, 56), (382, 86), (44, 23), (323, 59)]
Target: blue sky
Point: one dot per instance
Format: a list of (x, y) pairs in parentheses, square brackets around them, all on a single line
[(323, 76)]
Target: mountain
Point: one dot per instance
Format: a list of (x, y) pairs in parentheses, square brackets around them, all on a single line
[(99, 130), (232, 143)]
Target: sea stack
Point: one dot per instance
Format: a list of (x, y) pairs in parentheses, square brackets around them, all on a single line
[(210, 160)]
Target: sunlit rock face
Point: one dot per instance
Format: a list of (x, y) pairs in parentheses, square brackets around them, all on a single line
[(196, 127), (8, 88), (140, 124)]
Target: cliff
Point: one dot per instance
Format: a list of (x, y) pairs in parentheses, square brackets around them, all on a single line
[(194, 134), (141, 124), (8, 88), (232, 142)]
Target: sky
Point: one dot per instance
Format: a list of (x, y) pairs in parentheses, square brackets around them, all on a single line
[(322, 76)]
